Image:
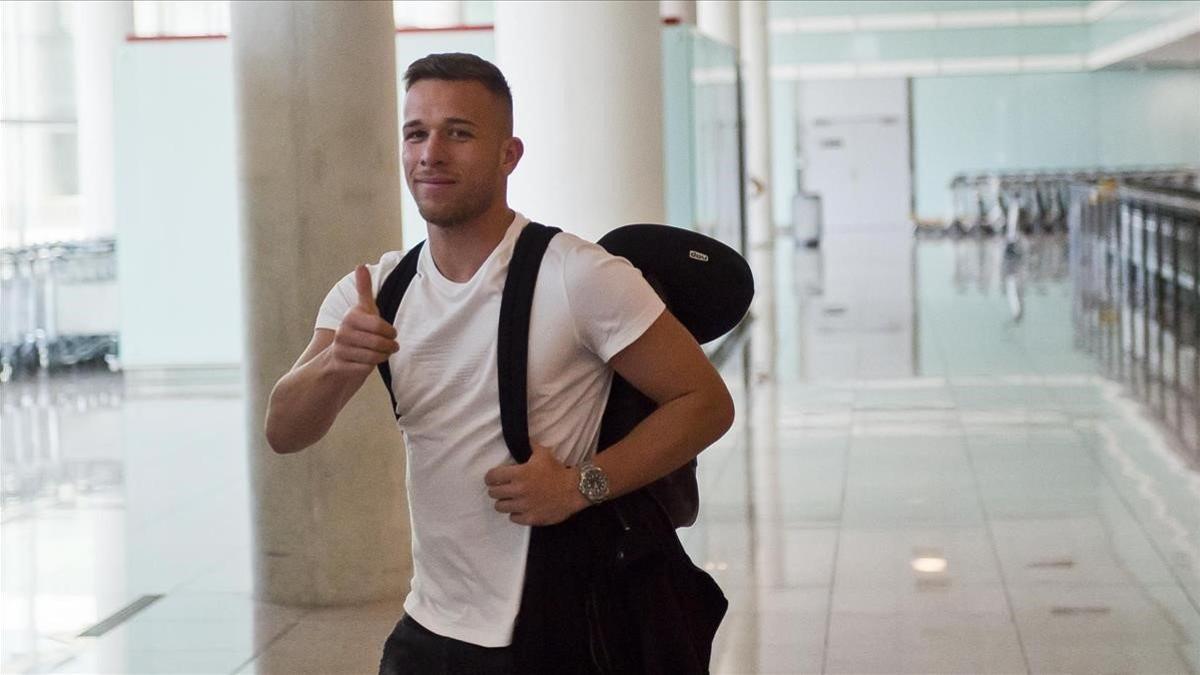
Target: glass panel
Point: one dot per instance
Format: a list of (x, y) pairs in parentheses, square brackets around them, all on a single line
[(39, 193), (155, 18), (716, 142), (701, 132)]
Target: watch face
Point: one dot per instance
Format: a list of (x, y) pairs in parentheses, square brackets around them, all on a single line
[(593, 483)]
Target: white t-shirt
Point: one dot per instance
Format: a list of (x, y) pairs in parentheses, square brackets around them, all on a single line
[(469, 559)]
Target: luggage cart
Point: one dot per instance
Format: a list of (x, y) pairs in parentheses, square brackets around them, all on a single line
[(58, 302)]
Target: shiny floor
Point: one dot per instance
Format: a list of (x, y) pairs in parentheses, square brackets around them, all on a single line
[(926, 476)]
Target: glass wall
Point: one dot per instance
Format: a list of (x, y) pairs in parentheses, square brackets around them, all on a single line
[(39, 187), (197, 17), (700, 114), (211, 17)]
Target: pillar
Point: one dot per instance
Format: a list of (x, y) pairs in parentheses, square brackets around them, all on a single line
[(319, 182), (101, 27), (586, 79), (718, 19)]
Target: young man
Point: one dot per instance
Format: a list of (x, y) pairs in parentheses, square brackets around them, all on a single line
[(472, 507)]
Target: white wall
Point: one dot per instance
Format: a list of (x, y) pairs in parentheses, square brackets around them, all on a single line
[(178, 264), (1049, 121)]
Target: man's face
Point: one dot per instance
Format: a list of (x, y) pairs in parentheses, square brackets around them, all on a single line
[(458, 149)]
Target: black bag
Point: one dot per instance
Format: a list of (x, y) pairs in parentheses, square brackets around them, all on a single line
[(610, 590), (708, 287)]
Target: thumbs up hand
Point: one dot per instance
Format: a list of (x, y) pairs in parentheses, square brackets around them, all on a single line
[(362, 284), (363, 340)]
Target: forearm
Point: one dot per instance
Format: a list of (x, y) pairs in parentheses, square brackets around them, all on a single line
[(669, 438), (306, 401)]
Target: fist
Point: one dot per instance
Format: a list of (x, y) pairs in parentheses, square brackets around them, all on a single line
[(364, 339), (541, 491)]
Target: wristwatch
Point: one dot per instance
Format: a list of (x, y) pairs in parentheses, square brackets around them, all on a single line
[(593, 482)]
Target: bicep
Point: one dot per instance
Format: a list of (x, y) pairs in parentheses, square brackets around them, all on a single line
[(665, 362), (321, 339)]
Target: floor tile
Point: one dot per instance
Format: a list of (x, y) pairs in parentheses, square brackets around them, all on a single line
[(925, 643), (1113, 629), (901, 558), (1072, 612), (117, 661), (321, 647), (750, 651), (1090, 551)]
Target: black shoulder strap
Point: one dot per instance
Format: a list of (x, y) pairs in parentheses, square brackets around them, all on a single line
[(512, 343), (391, 292)]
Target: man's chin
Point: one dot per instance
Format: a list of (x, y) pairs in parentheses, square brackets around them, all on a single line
[(443, 217), (448, 216)]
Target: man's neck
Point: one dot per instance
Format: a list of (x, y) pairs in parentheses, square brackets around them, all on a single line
[(460, 250)]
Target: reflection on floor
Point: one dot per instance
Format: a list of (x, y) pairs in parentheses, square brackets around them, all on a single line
[(924, 477)]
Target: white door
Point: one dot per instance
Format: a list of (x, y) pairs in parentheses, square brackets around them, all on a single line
[(830, 172), (856, 151)]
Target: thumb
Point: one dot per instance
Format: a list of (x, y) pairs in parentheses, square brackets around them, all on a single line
[(542, 452), (362, 282)]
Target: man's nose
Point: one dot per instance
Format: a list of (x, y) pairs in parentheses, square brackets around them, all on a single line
[(432, 151)]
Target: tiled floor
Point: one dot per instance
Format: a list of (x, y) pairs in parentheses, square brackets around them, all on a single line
[(921, 479)]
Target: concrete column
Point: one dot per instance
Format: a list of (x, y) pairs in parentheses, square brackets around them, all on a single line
[(101, 26), (315, 91), (682, 10), (586, 79), (718, 19)]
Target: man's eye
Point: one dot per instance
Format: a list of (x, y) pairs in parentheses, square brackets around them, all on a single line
[(460, 133), (414, 135)]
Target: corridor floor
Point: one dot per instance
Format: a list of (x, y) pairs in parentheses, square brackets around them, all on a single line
[(926, 476)]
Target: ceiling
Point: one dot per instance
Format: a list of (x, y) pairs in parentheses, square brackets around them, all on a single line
[(1182, 53)]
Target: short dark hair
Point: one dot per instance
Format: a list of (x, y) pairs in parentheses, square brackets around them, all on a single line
[(458, 66)]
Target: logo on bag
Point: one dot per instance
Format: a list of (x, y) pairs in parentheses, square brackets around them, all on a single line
[(697, 255)]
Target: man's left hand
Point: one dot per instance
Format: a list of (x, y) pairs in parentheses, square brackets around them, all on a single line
[(542, 491)]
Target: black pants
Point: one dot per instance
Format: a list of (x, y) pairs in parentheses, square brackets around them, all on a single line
[(413, 648)]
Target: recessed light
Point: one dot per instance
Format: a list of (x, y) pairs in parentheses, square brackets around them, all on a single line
[(929, 565)]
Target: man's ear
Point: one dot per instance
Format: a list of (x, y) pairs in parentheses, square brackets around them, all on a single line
[(513, 150)]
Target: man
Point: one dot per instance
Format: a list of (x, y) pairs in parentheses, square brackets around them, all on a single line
[(471, 506)]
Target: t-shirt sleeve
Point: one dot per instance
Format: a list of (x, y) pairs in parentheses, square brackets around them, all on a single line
[(344, 295), (611, 302)]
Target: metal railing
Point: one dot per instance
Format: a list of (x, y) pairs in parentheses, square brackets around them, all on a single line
[(1009, 203), (1135, 258), (58, 306)]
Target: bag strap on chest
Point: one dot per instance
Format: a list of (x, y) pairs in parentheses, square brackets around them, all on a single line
[(391, 292), (512, 343)]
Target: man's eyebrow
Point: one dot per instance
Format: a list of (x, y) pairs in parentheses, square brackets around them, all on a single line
[(449, 120)]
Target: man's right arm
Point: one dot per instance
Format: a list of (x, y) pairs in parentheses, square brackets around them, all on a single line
[(306, 401)]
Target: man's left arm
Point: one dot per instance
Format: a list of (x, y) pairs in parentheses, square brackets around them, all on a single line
[(695, 409)]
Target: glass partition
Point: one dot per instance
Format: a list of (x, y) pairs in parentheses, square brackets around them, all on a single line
[(39, 191), (701, 129)]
